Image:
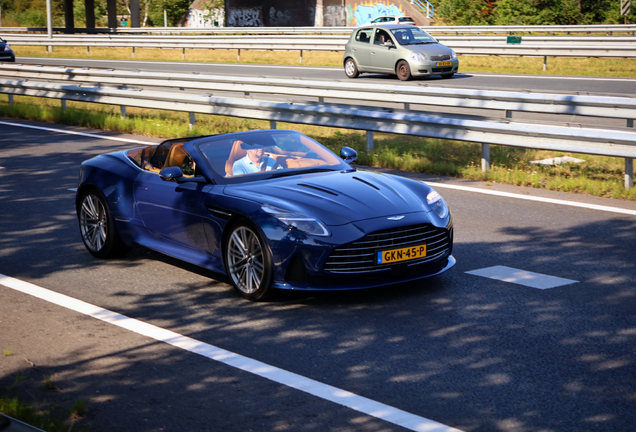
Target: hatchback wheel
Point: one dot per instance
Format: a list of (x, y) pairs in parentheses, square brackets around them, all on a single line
[(351, 69), (403, 71)]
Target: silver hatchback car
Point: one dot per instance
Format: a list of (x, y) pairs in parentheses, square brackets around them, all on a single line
[(404, 50)]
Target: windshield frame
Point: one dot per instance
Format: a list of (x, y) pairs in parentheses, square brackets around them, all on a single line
[(215, 151)]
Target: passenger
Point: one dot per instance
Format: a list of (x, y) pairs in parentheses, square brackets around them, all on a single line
[(254, 161)]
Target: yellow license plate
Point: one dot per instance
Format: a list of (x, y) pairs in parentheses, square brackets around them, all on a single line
[(440, 64), (403, 254)]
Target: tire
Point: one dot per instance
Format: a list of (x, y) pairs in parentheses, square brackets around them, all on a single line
[(248, 261), (351, 69), (446, 76), (97, 226), (403, 71)]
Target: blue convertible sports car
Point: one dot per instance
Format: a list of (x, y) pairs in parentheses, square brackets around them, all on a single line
[(270, 209)]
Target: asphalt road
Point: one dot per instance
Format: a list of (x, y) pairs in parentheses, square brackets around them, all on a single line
[(537, 83), (467, 351)]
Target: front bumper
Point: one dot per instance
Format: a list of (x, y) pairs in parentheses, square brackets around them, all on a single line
[(432, 68)]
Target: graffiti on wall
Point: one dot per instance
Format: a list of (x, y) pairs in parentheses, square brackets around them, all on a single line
[(279, 18), (205, 18), (363, 14), (334, 16), (245, 17)]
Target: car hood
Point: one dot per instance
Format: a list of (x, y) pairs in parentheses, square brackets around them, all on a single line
[(430, 49), (337, 198)]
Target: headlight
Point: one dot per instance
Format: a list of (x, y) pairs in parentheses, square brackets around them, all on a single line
[(453, 55), (299, 221), (437, 204), (7, 47), (418, 57)]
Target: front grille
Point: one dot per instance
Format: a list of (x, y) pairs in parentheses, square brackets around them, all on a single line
[(444, 69), (440, 57), (360, 256)]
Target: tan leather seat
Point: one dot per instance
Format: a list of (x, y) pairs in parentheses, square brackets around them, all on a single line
[(235, 154), (176, 156)]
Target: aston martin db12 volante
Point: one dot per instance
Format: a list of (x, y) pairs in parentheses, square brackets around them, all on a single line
[(270, 209)]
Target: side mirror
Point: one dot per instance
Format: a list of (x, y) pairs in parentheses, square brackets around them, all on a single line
[(174, 173), (348, 154), (389, 44), (171, 173)]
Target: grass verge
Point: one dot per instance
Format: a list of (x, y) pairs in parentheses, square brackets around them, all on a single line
[(597, 175)]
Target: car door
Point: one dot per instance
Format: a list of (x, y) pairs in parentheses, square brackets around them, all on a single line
[(382, 57), (171, 210), (361, 47)]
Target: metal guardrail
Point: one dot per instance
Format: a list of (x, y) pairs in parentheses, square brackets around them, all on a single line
[(589, 29), (566, 138), (504, 102)]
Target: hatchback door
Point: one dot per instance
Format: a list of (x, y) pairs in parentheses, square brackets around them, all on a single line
[(382, 58), (361, 47)]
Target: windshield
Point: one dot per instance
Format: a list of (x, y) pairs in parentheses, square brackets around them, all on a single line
[(412, 36), (265, 154)]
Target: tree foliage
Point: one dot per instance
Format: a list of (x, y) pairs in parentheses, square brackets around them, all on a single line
[(530, 12)]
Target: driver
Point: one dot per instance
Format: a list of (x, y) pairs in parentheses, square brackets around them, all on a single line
[(254, 161)]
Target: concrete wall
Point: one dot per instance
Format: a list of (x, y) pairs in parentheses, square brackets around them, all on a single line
[(270, 13), (362, 12)]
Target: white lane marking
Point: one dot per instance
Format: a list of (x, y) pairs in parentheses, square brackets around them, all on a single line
[(281, 376), (522, 277), (572, 78), (433, 184), (534, 198), (76, 133)]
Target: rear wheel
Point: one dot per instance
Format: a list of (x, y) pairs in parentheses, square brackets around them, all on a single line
[(351, 69), (98, 227), (403, 71), (248, 261)]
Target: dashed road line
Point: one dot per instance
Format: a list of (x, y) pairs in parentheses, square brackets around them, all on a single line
[(522, 277), (324, 391)]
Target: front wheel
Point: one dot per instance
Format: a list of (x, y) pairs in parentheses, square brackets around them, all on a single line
[(98, 227), (403, 71), (248, 261), (351, 69)]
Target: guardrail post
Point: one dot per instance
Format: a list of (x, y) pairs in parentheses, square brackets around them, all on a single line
[(239, 55), (369, 141), (485, 157), (122, 109), (133, 52), (545, 62), (193, 120), (11, 102), (63, 104), (301, 56), (272, 124), (88, 51), (183, 54), (508, 114)]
